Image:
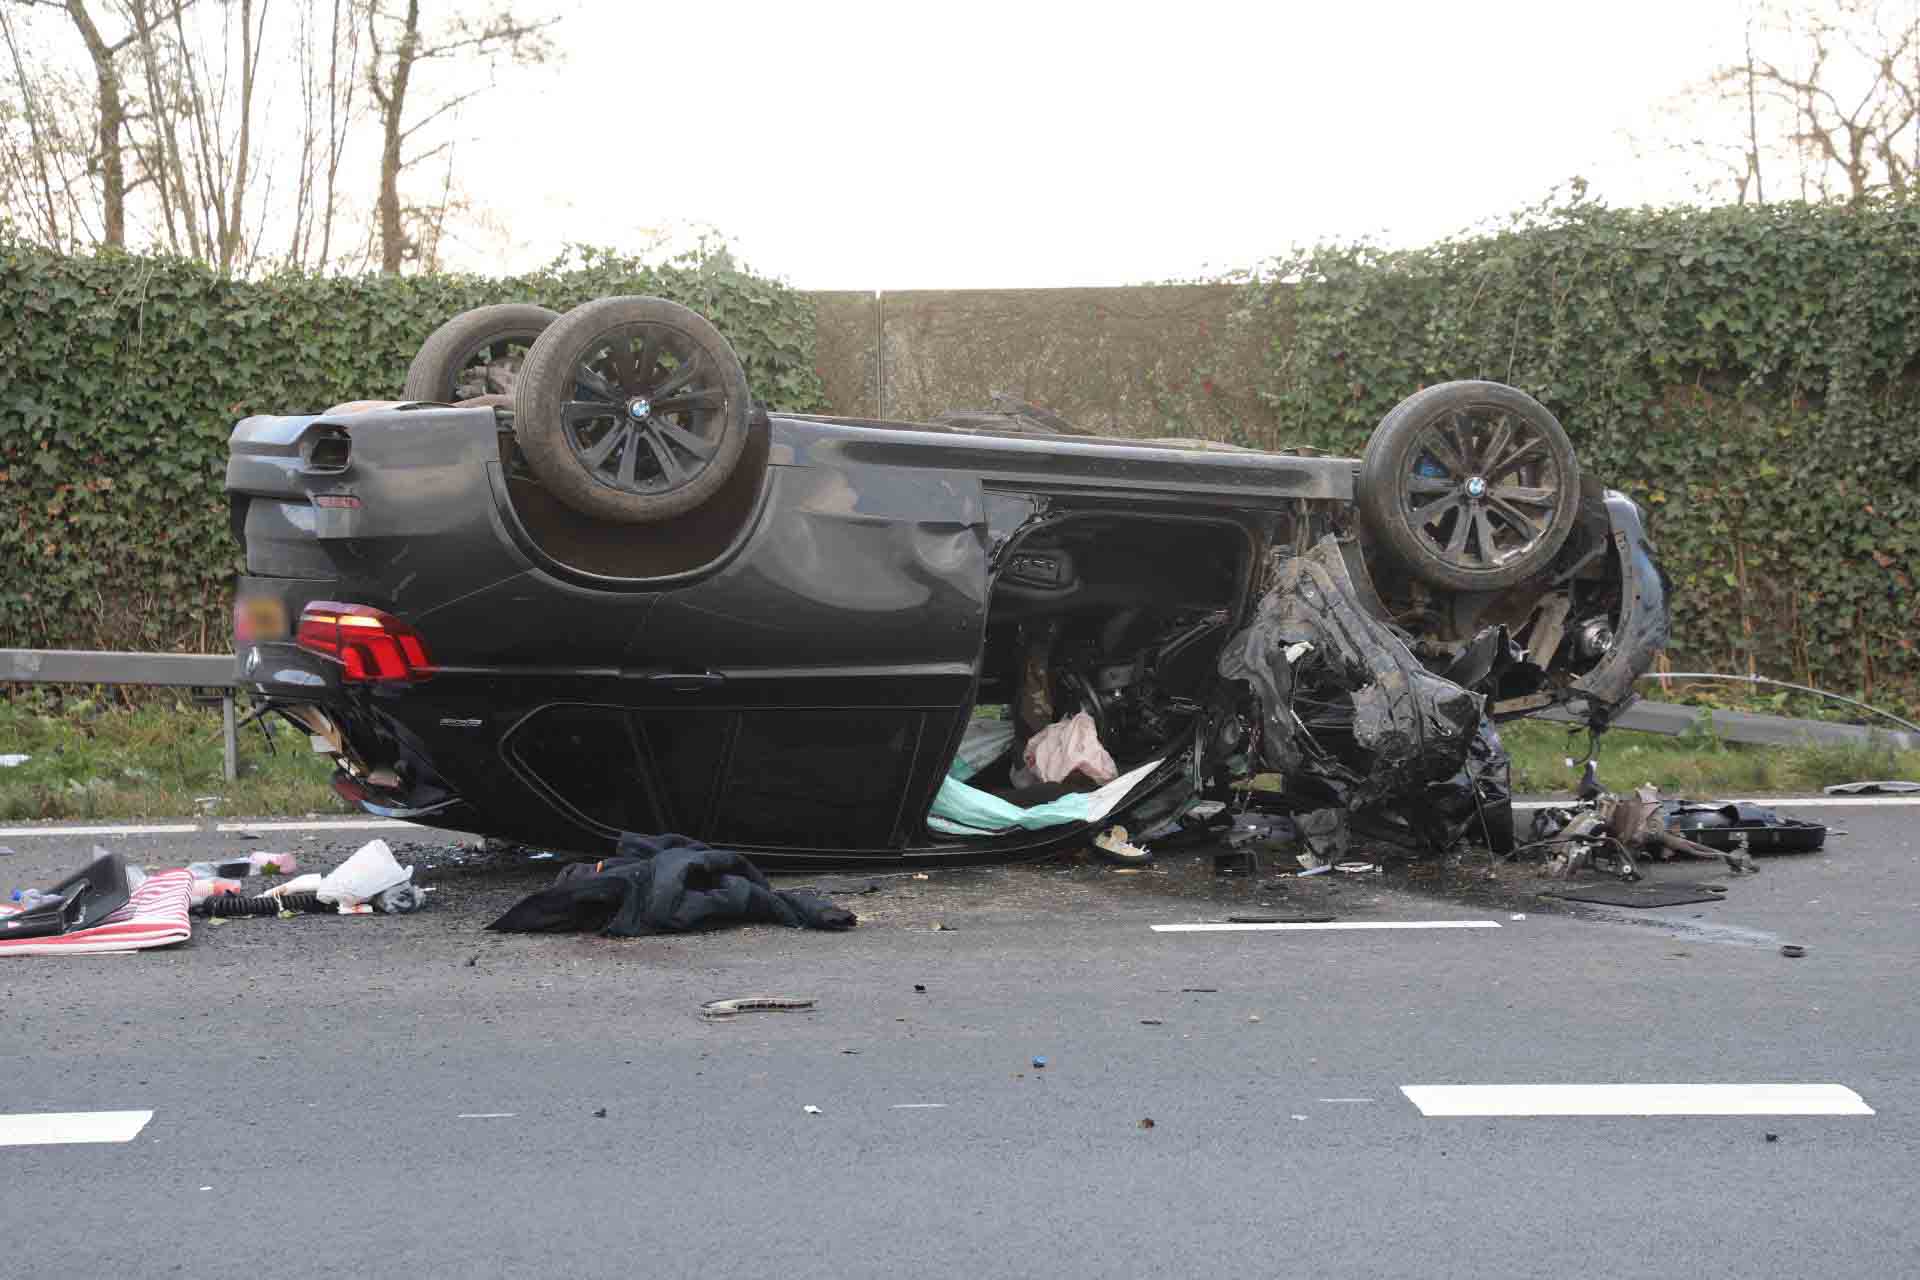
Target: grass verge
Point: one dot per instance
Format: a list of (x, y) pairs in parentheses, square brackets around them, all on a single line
[(160, 760), (163, 760), (1696, 763)]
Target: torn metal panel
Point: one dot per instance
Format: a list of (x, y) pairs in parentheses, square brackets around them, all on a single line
[(1349, 715), (1642, 627)]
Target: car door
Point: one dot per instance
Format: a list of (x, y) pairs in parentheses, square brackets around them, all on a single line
[(804, 696)]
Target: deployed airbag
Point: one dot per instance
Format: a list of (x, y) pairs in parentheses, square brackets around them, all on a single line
[(961, 810)]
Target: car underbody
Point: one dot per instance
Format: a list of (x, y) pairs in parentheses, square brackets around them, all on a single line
[(791, 665)]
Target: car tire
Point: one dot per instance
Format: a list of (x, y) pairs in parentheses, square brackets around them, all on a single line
[(614, 434), (1470, 486), (445, 370)]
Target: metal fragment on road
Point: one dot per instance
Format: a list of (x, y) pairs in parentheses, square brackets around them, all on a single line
[(753, 1004)]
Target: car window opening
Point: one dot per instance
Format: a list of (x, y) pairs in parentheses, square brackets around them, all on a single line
[(1119, 620)]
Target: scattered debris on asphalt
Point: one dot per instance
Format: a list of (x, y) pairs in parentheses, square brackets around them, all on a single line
[(1739, 825), (1610, 831), (257, 863), (305, 883), (1112, 846), (1146, 1122), (811, 1110), (106, 906), (1885, 788), (1793, 951), (716, 1009), (363, 877), (1040, 1063), (1643, 895)]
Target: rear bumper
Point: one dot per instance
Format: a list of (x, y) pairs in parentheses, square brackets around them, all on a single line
[(380, 764)]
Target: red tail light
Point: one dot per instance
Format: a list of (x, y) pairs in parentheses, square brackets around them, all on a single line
[(371, 645)]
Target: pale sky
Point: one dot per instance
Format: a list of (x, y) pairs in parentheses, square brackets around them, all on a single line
[(841, 144)]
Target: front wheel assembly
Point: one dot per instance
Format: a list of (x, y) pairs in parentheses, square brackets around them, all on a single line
[(1470, 486)]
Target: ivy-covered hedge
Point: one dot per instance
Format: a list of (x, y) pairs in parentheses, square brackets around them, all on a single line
[(1750, 375), (121, 376)]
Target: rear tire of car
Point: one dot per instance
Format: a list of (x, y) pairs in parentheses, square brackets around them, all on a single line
[(615, 432), (445, 370), (1470, 486)]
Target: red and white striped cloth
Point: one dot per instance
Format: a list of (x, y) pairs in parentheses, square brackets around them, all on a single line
[(156, 917)]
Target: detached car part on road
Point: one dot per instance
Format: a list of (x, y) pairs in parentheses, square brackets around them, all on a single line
[(581, 584)]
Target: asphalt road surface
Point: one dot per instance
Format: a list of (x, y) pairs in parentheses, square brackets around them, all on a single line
[(409, 1095)]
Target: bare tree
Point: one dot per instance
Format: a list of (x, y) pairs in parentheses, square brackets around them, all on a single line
[(1830, 94), (330, 109), (199, 142), (45, 146), (233, 131), (110, 118), (400, 48)]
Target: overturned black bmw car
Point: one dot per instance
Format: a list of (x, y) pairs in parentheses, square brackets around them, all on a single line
[(577, 583)]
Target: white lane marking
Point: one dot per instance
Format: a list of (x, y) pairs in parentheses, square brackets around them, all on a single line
[(1772, 802), (167, 830), (194, 828), (49, 1128), (1636, 1100), (341, 824), (918, 1106), (485, 1115), (1308, 926)]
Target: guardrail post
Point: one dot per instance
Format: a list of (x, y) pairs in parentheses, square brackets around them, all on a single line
[(230, 736)]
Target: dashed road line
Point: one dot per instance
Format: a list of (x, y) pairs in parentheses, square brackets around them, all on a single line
[(172, 829), (1324, 926), (195, 828), (51, 1128), (1636, 1100), (331, 824), (1772, 802)]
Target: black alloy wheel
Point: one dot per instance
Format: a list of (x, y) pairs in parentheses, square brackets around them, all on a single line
[(632, 409), (1472, 486), (477, 353)]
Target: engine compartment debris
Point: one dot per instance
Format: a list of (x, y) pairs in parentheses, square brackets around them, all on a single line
[(1611, 831)]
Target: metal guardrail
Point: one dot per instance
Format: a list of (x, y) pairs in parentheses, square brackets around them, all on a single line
[(157, 670), (1748, 727), (215, 671)]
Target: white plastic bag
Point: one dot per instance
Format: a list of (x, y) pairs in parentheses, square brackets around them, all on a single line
[(306, 883), (1067, 747), (364, 875)]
